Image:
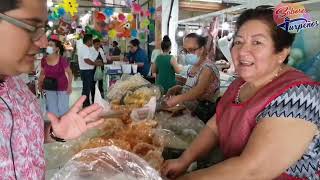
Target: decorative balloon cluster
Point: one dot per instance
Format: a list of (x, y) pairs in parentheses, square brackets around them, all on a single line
[(107, 22)]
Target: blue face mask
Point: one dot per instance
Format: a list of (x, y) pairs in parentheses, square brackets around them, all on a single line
[(191, 59)]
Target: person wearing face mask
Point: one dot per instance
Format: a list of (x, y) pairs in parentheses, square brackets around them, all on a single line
[(23, 130), (201, 88), (56, 78)]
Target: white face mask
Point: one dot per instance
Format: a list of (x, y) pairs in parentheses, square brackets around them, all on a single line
[(50, 50)]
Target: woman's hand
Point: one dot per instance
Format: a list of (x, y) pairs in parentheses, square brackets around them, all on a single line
[(173, 101), (76, 121), (174, 168), (69, 89)]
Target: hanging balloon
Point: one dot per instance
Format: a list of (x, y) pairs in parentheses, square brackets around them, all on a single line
[(129, 17), (151, 27), (108, 12), (97, 3), (100, 17), (112, 34), (126, 33), (146, 22), (136, 8), (141, 13), (55, 16), (70, 6), (74, 25), (61, 12), (142, 36), (134, 33), (147, 13), (121, 17), (152, 10), (104, 33)]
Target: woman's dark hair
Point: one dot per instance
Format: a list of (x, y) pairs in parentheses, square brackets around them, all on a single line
[(86, 38), (7, 5), (281, 38), (202, 41), (135, 42), (166, 43), (115, 43), (96, 41), (58, 45)]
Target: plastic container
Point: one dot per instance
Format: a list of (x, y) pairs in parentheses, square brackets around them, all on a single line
[(126, 68), (134, 68)]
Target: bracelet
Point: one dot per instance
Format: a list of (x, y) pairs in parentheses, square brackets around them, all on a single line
[(55, 137)]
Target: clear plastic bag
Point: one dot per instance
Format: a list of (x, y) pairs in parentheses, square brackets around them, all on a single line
[(184, 128), (146, 112), (106, 163)]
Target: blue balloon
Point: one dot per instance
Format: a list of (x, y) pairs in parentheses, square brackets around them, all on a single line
[(61, 12), (104, 33), (108, 11), (134, 33), (152, 10)]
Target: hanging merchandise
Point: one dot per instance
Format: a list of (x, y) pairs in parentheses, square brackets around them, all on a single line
[(100, 17), (130, 17), (136, 8), (93, 32), (144, 23), (141, 14), (151, 27), (112, 34), (63, 28), (61, 11), (147, 13), (152, 10), (121, 17), (70, 6), (74, 25), (134, 33), (142, 36), (96, 3), (108, 12)]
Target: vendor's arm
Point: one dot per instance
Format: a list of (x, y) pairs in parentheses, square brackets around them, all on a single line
[(275, 145), (194, 93), (75, 122), (201, 146)]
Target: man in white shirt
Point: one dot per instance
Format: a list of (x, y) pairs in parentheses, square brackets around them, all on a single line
[(86, 65), (99, 56)]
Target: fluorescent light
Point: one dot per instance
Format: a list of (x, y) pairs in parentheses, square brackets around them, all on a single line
[(49, 3), (180, 33), (199, 31), (225, 26)]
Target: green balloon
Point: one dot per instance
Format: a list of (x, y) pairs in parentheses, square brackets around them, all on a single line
[(151, 27), (142, 36)]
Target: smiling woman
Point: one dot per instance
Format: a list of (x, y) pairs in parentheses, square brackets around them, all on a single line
[(268, 120), (22, 132)]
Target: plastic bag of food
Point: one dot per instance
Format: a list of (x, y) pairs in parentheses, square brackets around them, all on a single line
[(119, 89), (106, 163), (146, 112)]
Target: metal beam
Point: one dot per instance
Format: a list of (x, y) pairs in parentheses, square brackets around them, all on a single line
[(205, 16)]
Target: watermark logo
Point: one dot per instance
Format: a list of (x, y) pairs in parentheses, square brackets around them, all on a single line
[(293, 17)]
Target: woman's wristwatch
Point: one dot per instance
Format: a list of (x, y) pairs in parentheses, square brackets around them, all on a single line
[(55, 137)]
